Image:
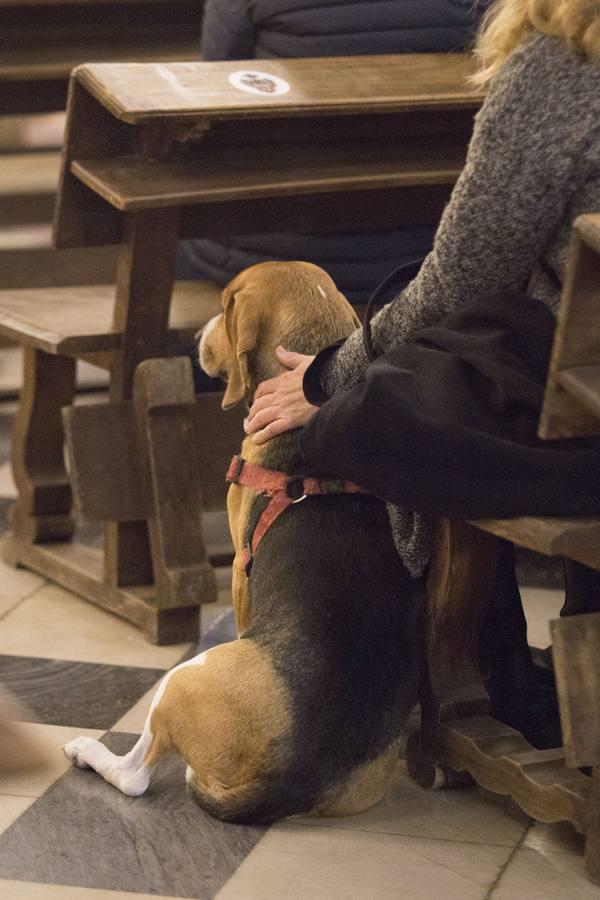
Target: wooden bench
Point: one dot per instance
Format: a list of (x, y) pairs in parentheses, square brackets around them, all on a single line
[(457, 735), (154, 153)]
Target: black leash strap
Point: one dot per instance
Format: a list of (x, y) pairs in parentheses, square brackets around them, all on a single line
[(398, 279)]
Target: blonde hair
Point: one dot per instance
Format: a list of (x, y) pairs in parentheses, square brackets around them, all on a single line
[(507, 22)]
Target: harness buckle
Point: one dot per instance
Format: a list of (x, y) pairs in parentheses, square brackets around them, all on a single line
[(295, 489)]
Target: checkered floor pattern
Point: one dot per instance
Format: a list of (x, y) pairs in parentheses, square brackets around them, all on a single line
[(66, 834)]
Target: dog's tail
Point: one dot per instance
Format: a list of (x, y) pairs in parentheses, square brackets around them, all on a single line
[(238, 805), (262, 801)]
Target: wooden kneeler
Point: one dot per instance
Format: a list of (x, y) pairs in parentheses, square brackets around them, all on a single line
[(133, 464), (136, 461)]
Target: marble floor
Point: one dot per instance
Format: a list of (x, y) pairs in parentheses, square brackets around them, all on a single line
[(67, 835)]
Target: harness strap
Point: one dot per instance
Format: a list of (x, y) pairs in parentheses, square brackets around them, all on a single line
[(284, 490)]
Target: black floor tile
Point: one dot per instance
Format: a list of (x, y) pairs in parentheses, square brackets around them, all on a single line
[(84, 832), (82, 695)]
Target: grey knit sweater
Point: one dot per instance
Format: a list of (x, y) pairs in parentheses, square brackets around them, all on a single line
[(533, 165)]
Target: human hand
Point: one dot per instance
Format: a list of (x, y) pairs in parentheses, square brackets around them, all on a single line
[(279, 403)]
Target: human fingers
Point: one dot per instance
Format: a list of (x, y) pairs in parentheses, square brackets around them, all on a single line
[(280, 425), (268, 387), (261, 418), (261, 403), (273, 429), (291, 359)]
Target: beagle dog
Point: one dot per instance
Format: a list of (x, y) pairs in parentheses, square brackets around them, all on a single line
[(303, 712)]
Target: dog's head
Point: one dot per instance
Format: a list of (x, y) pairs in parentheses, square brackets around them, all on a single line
[(295, 304)]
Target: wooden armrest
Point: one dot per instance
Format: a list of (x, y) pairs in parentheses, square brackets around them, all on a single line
[(572, 399), (577, 538)]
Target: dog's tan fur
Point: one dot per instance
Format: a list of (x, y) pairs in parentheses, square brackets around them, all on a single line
[(235, 702), (259, 306)]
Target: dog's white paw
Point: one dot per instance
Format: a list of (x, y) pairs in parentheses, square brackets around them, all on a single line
[(80, 750)]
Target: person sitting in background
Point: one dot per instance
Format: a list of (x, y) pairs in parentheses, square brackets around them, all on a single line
[(247, 29)]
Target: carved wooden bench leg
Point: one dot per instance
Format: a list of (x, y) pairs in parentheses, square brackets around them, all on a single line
[(455, 737), (592, 831), (144, 286), (43, 509), (458, 588), (164, 404), (576, 652), (127, 556)]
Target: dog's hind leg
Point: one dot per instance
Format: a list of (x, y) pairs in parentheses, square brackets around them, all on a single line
[(129, 773), (363, 788)]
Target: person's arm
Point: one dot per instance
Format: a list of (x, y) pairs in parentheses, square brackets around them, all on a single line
[(525, 159), (536, 140), (227, 30)]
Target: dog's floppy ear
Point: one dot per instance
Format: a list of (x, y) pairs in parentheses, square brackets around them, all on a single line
[(241, 326)]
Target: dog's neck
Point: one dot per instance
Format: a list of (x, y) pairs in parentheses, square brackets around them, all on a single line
[(281, 453)]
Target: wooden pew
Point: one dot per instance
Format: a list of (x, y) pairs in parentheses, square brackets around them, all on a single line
[(458, 739), (153, 153)]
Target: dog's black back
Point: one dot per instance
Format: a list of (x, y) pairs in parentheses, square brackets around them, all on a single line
[(339, 616)]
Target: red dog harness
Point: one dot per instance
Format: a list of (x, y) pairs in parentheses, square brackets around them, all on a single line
[(284, 490)]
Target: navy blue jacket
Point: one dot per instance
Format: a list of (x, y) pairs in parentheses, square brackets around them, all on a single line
[(253, 29), (259, 29)]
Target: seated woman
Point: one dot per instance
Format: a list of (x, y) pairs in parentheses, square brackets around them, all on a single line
[(241, 29), (444, 421)]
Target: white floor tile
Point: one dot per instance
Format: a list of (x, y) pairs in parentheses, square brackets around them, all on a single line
[(10, 810), (27, 890), (133, 720), (545, 876), (540, 605), (8, 487), (470, 814), (58, 625), (49, 738), (559, 837), (7, 604), (18, 583), (293, 862)]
